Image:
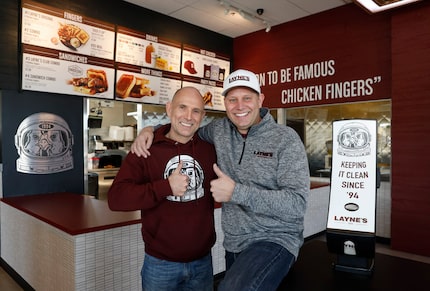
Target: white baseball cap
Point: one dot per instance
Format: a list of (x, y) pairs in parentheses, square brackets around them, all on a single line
[(240, 78)]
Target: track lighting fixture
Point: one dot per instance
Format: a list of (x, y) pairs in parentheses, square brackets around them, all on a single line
[(245, 14), (268, 27)]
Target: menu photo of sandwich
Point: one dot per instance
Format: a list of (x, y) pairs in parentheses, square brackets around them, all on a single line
[(94, 82), (128, 85)]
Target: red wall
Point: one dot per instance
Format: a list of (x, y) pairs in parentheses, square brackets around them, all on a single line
[(357, 42), (394, 45), (410, 226)]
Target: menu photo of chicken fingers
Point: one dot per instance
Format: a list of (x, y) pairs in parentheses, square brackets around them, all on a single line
[(71, 36), (207, 98), (128, 85)]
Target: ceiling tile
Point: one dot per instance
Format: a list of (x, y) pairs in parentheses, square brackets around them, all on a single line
[(210, 15)]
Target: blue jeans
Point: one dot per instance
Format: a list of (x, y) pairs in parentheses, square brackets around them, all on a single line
[(162, 275), (261, 266)]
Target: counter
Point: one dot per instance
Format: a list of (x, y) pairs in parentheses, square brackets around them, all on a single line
[(72, 213), (66, 241), (317, 207)]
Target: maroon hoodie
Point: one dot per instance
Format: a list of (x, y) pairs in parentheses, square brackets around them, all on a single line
[(178, 230)]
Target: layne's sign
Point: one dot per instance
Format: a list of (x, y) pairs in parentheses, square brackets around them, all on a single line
[(353, 177)]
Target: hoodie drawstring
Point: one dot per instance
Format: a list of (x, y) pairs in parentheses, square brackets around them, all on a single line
[(194, 164)]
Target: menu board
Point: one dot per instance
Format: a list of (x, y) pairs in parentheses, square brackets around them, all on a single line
[(148, 67), (145, 50), (145, 85), (210, 90), (206, 71), (68, 53), (59, 72), (201, 63), (64, 52)]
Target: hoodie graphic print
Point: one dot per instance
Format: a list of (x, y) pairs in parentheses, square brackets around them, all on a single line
[(193, 170)]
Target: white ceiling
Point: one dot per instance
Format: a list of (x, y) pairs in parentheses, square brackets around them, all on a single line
[(210, 14)]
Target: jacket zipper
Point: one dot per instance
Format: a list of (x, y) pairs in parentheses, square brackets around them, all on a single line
[(243, 151)]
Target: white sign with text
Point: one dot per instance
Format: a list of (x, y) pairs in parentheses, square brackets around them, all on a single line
[(353, 177)]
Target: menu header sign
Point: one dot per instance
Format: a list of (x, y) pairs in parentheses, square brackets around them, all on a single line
[(353, 177)]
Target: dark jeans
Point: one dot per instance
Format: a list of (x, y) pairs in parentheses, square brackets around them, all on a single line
[(262, 266), (161, 275)]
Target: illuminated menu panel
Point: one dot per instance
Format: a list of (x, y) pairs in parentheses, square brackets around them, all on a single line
[(148, 67), (68, 53), (205, 70), (64, 52), (145, 50)]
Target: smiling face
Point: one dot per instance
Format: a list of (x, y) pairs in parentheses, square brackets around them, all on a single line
[(243, 107), (186, 111)]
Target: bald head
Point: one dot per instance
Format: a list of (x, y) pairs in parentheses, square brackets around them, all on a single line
[(186, 112)]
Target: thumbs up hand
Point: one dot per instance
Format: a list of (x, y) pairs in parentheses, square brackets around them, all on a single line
[(178, 181), (222, 187)]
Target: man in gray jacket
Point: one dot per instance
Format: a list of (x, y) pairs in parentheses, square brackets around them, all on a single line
[(263, 182)]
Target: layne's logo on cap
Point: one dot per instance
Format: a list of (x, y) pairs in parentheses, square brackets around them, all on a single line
[(189, 65), (241, 78)]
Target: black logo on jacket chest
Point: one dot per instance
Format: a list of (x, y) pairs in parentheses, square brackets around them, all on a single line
[(261, 154)]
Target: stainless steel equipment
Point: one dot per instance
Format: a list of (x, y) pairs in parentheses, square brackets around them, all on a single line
[(109, 164), (105, 179)]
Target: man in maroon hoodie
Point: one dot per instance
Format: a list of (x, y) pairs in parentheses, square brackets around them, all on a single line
[(171, 188)]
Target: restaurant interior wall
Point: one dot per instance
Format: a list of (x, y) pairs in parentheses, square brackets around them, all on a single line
[(398, 44), (410, 126), (18, 107)]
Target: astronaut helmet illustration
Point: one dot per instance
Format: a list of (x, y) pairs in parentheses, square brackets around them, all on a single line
[(354, 140), (44, 144), (190, 167)]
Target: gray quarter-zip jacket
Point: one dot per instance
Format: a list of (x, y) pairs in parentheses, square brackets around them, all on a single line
[(271, 172)]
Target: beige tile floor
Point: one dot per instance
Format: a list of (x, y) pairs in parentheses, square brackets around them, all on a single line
[(7, 283)]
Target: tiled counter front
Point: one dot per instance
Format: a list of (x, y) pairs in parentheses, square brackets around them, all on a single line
[(50, 259), (109, 259), (317, 207), (218, 252)]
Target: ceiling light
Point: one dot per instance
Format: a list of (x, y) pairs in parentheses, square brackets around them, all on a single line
[(374, 6), (268, 27), (245, 15)]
